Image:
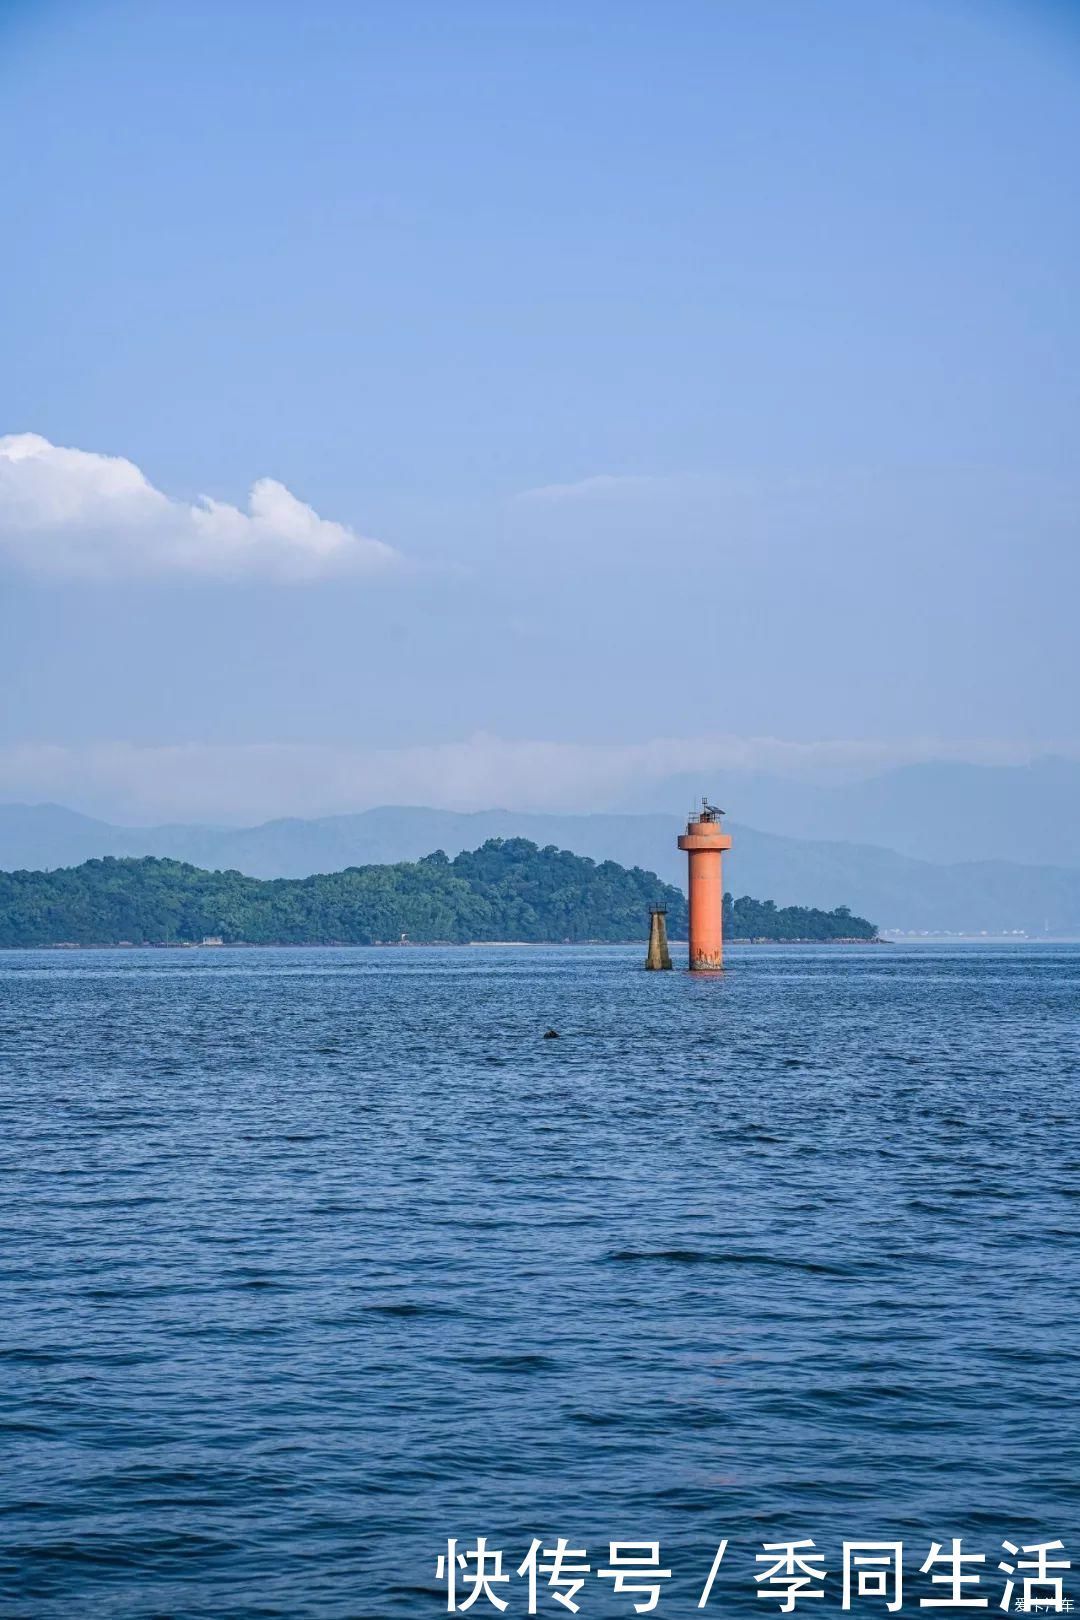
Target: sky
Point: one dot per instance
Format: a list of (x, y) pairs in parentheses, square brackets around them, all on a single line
[(481, 404)]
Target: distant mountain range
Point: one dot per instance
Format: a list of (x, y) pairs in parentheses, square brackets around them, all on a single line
[(898, 891), (938, 811)]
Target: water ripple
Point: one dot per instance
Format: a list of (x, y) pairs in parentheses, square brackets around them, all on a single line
[(311, 1260)]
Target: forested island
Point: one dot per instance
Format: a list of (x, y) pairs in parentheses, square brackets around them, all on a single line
[(508, 889)]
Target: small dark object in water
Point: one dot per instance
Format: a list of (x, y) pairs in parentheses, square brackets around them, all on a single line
[(551, 1034)]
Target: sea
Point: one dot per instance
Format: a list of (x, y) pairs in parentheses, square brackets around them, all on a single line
[(331, 1286)]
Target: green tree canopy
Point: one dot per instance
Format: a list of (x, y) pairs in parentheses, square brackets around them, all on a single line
[(508, 889)]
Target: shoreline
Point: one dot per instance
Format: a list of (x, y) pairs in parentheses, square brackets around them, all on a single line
[(397, 945)]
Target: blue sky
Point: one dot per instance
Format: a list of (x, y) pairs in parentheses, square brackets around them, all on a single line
[(710, 372)]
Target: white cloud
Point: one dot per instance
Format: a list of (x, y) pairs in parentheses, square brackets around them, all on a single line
[(600, 485), (75, 513), (257, 781)]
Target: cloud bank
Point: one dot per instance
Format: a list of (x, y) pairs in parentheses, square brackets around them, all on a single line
[(252, 782), (76, 514)]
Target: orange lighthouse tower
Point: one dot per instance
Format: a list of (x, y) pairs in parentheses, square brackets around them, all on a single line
[(705, 842)]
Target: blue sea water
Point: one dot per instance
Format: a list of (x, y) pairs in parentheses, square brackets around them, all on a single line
[(312, 1260)]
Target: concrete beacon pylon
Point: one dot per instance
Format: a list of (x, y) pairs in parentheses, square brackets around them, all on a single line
[(659, 956), (705, 842)]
